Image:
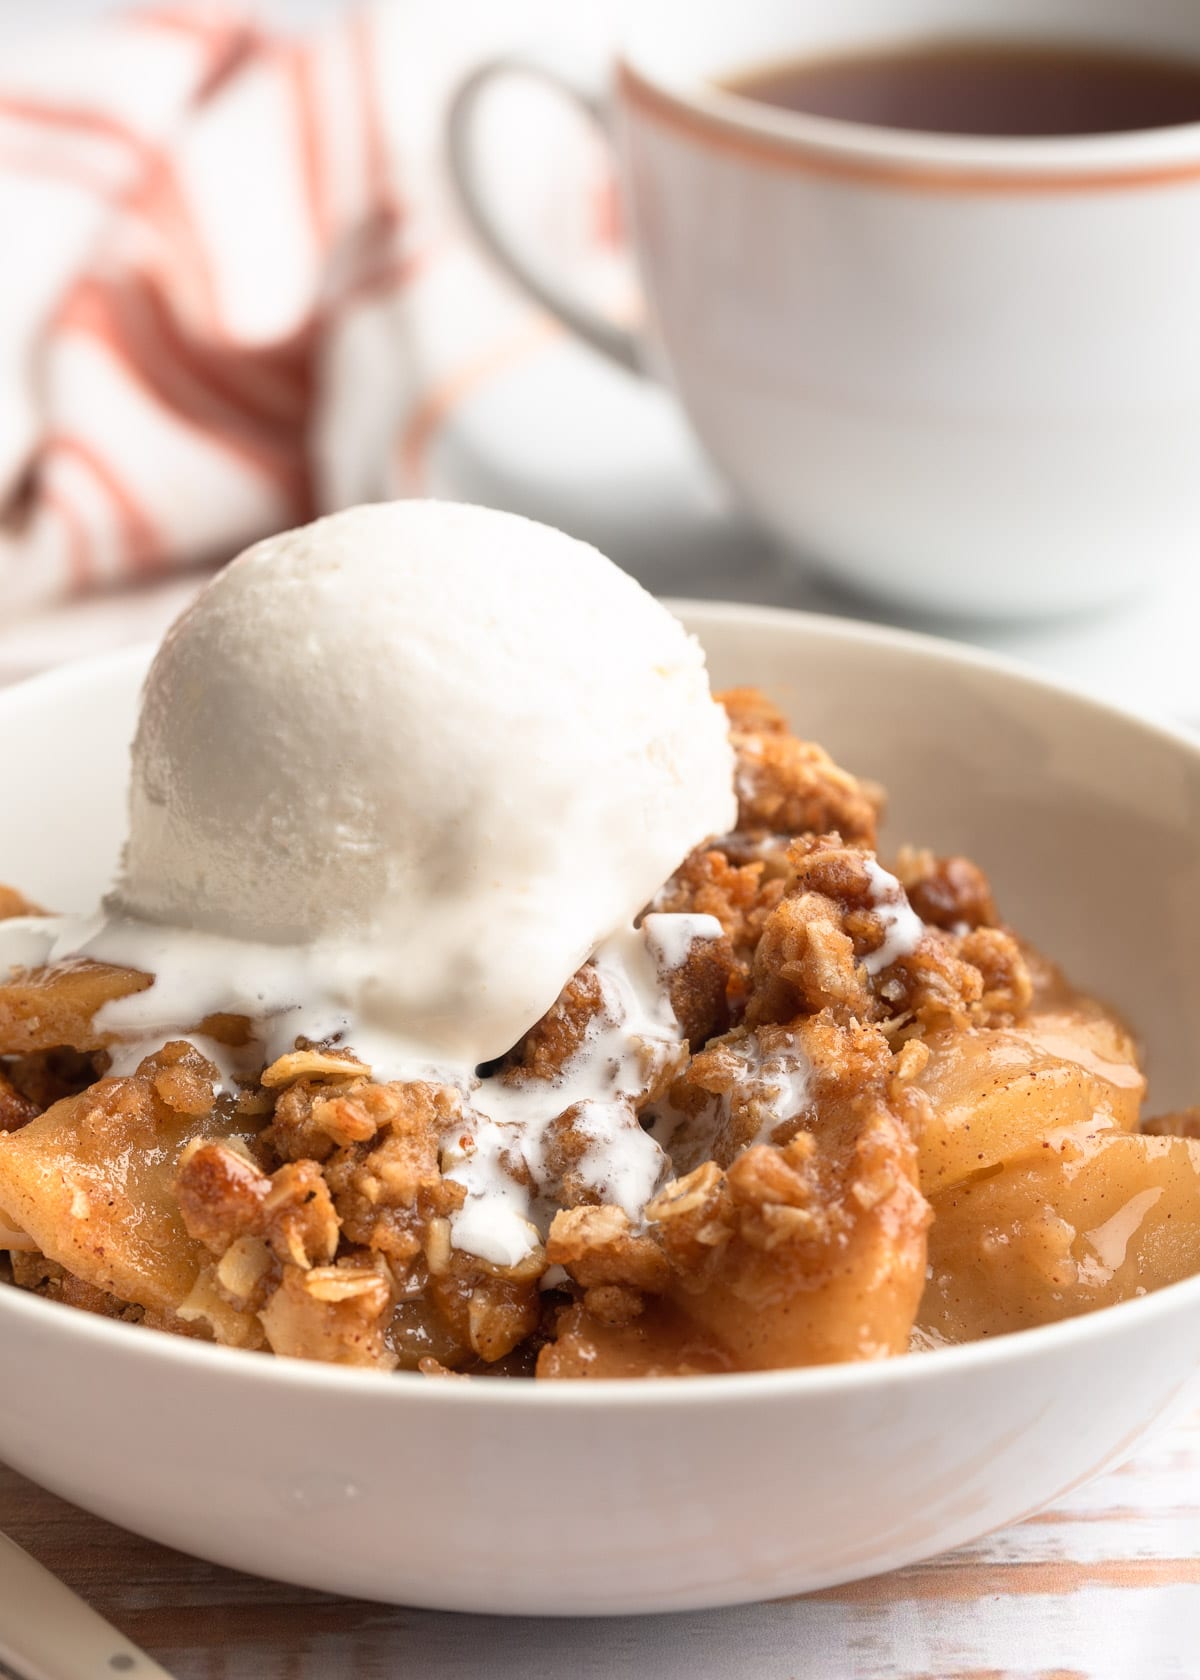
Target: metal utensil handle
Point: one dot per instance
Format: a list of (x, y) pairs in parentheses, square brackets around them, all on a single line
[(47, 1633)]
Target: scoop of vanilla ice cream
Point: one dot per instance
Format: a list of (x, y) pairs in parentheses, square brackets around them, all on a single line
[(453, 747)]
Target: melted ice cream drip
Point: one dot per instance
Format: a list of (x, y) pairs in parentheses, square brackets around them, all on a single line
[(902, 927), (782, 1085), (772, 1086), (670, 936), (632, 1040), (289, 993), (233, 1065)]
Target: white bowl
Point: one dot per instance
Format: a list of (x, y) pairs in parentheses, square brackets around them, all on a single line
[(661, 1495)]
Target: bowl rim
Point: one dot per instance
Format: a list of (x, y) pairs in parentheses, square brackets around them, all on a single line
[(187, 1354)]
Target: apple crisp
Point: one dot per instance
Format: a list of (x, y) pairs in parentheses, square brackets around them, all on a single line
[(814, 1109)]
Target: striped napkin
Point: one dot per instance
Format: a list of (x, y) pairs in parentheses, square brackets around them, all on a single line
[(235, 293)]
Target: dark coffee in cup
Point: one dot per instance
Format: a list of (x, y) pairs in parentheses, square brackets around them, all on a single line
[(985, 87)]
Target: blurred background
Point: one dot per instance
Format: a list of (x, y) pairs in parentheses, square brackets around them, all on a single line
[(243, 294)]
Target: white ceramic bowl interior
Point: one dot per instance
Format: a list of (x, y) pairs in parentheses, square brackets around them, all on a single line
[(618, 1497)]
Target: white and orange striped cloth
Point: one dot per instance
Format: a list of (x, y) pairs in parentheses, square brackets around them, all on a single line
[(232, 291)]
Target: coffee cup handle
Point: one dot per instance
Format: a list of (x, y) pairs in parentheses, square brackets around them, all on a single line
[(521, 265)]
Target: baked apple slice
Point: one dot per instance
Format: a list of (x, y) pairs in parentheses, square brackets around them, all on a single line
[(1071, 1224), (91, 1181), (996, 1091)]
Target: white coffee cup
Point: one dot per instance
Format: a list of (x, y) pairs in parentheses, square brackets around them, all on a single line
[(957, 372)]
